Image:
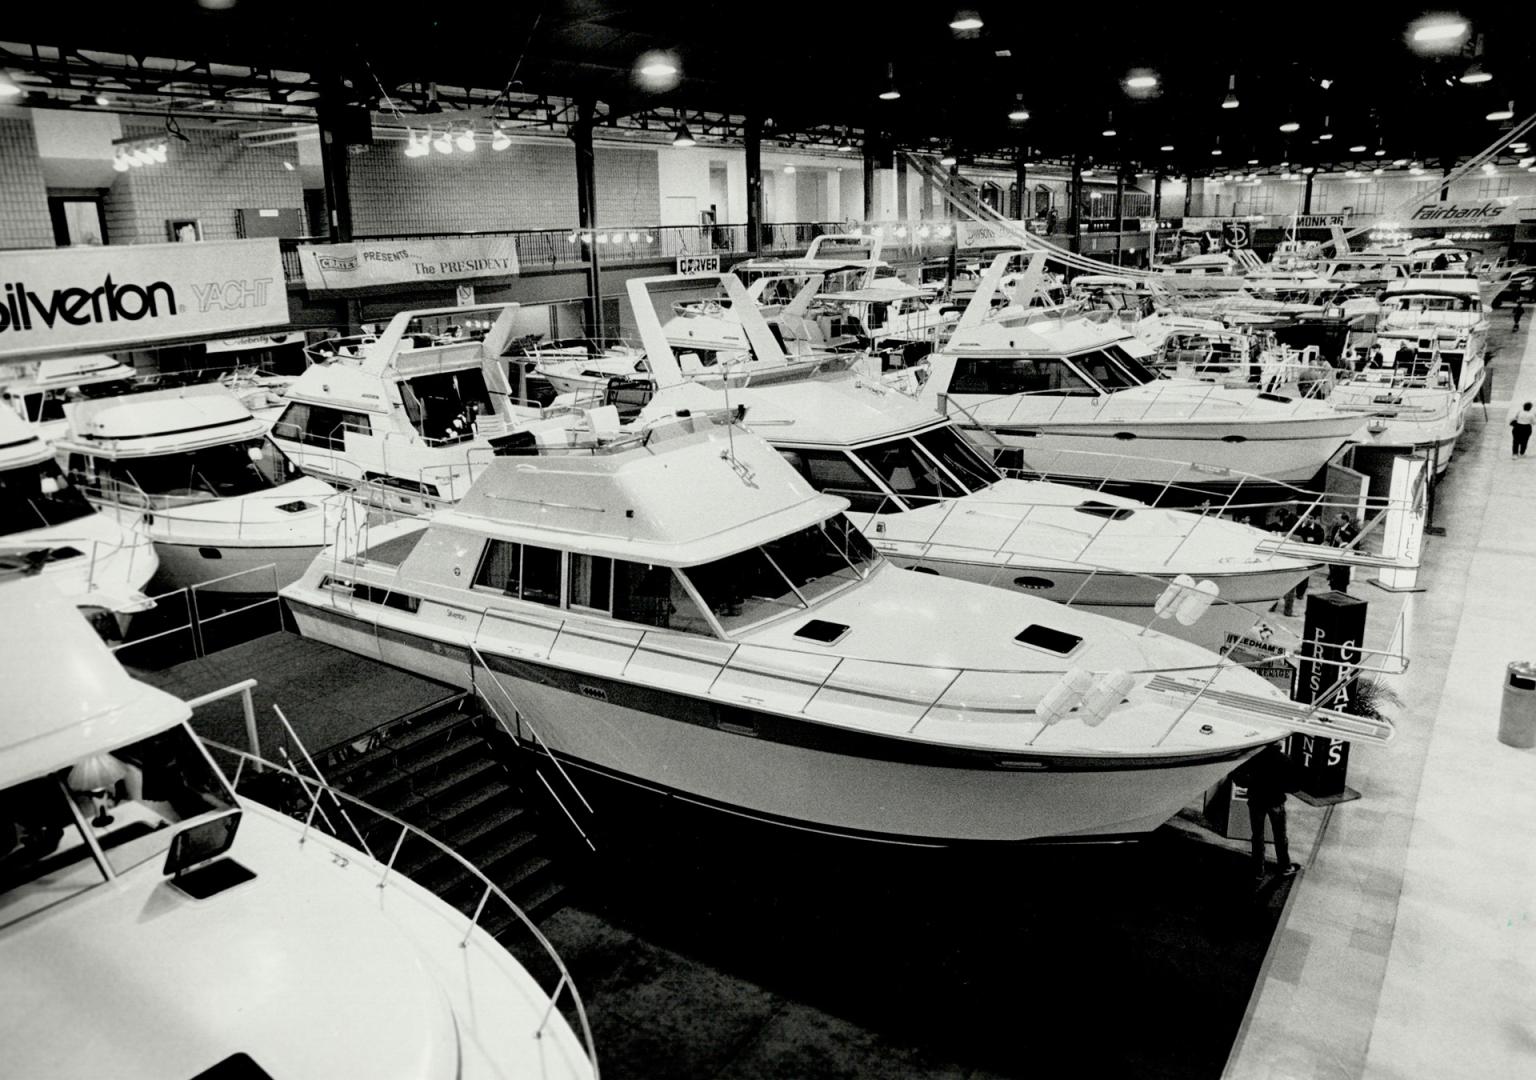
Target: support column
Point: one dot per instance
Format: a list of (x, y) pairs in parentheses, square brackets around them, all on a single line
[(1021, 182), (1075, 194), (754, 147), (586, 211), (1157, 200), (870, 153), (333, 167), (1189, 193), (1306, 197), (1119, 210)]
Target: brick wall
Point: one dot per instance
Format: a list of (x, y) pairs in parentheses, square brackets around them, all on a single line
[(526, 186), (206, 179), (24, 220)]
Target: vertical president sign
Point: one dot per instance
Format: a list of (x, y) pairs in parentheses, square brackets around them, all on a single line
[(84, 299)]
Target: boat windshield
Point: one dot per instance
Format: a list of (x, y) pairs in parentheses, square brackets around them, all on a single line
[(226, 471), (127, 802), (38, 497), (786, 574), (1113, 368)]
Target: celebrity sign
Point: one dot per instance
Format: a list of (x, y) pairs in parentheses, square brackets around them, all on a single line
[(365, 264), (85, 299)]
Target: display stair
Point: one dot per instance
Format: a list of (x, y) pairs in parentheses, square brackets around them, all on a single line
[(451, 772)]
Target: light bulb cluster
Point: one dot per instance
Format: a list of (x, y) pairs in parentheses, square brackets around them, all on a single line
[(445, 141), (135, 155), (616, 237)]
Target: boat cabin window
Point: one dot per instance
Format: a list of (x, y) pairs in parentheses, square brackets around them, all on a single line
[(910, 473), (835, 473), (955, 454), (521, 570), (128, 800), (317, 425), (912, 305), (785, 575), (1105, 370), (1020, 375), (38, 497), (159, 481), (443, 406)]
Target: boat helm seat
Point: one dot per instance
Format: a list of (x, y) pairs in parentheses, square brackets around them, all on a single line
[(602, 421)]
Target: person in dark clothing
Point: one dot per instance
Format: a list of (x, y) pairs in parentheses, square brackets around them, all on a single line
[(1308, 531), (1518, 312), (1266, 776), (1344, 532)]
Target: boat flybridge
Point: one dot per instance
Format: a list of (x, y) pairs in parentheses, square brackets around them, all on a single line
[(38, 390), (1058, 394), (927, 500), (848, 260), (195, 467), (1433, 340), (48, 528), (682, 611), (154, 922), (408, 418)]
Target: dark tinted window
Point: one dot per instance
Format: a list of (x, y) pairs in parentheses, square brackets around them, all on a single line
[(1020, 375), (947, 444), (834, 473)]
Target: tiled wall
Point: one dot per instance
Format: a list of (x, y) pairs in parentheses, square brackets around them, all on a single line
[(526, 186), (24, 221), (206, 179)]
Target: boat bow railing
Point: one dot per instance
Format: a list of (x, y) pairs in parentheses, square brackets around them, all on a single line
[(398, 834)]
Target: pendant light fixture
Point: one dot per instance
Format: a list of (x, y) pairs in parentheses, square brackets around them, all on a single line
[(465, 141), (1230, 101), (443, 144), (682, 137), (890, 93), (1019, 113), (1503, 114), (1216, 150), (1325, 134), (1109, 131), (500, 140)]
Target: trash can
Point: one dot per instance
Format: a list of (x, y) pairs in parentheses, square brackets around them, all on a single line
[(1517, 718)]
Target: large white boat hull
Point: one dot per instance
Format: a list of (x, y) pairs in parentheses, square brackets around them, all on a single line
[(792, 770)]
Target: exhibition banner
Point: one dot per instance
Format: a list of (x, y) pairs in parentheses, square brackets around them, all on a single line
[(985, 234), (1492, 212), (86, 299), (366, 264), (254, 342)]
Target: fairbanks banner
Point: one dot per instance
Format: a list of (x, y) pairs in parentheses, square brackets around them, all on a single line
[(85, 299), (365, 264)]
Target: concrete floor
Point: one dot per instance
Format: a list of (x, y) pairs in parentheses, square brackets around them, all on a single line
[(1409, 949)]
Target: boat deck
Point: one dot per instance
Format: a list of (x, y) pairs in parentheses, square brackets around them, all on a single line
[(330, 696)]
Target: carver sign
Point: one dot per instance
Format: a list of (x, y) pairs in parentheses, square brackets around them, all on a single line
[(85, 299), (365, 264)]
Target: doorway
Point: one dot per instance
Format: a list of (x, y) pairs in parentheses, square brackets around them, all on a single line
[(78, 220)]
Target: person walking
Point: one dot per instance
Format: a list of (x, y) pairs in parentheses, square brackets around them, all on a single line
[(1520, 429), (1343, 534), (1518, 312), (1267, 778)]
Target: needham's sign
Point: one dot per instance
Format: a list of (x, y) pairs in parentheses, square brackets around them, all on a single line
[(82, 299), (366, 264)]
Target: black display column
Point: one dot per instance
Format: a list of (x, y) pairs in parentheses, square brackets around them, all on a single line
[(754, 148), (1333, 631), (1075, 222), (586, 211)]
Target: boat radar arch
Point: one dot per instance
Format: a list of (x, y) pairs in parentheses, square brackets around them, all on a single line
[(651, 297)]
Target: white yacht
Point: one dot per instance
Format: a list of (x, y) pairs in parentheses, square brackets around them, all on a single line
[(155, 923), (1059, 395), (408, 417), (48, 528), (1433, 339), (194, 466), (928, 501), (682, 611), (581, 366), (38, 390)]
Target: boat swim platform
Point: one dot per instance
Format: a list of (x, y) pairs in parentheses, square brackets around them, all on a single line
[(329, 695)]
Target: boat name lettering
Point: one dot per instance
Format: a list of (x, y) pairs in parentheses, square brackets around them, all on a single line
[(108, 302), (452, 614), (596, 693)]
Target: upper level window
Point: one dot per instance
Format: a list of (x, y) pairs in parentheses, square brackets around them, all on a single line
[(909, 472), (158, 481), (320, 426), (521, 570), (1019, 375), (835, 473)]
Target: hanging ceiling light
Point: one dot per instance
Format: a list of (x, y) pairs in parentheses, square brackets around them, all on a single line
[(1166, 148), (1439, 30), (500, 140), (890, 93), (1290, 126), (1517, 147), (1141, 81), (1503, 114), (1358, 148), (949, 158), (1490, 168), (966, 21), (443, 144), (1216, 151), (1379, 152), (683, 137), (1476, 74), (1325, 134), (103, 100), (1109, 131), (1377, 171), (1253, 161), (465, 141), (415, 146), (1019, 113), (1352, 172), (1230, 101), (843, 145), (120, 161)]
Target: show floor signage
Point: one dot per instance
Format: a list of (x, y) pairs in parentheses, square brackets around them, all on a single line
[(370, 263), (86, 299), (1332, 633)]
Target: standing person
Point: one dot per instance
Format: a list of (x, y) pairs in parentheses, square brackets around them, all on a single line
[(1308, 531), (1344, 532), (1267, 777), (1519, 312), (1520, 429)]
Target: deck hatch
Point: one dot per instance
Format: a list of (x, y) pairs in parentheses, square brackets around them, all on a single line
[(822, 631), (1039, 636)]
